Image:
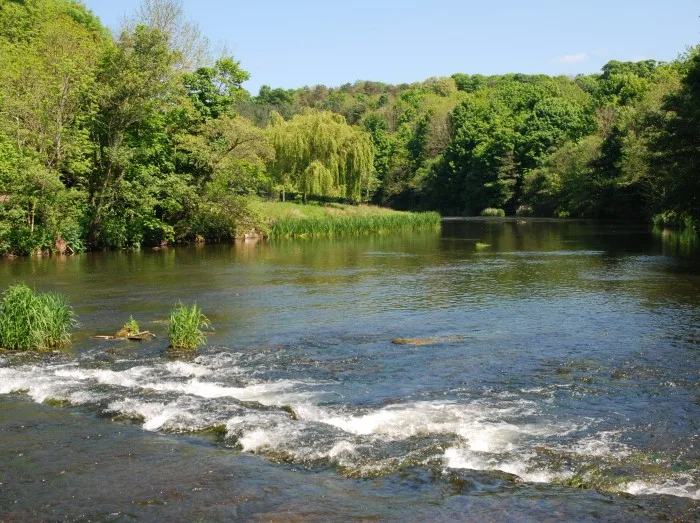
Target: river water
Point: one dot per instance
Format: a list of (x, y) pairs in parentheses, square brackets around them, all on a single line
[(552, 374)]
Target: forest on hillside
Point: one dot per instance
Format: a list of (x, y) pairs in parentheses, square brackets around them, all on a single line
[(146, 137)]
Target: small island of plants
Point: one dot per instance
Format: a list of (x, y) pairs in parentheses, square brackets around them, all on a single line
[(34, 321)]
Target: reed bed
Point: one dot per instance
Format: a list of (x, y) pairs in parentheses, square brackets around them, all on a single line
[(344, 224), (34, 321)]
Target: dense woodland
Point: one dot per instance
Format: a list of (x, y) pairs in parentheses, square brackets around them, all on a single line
[(145, 137)]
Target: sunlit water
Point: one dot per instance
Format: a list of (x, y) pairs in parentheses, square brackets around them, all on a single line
[(562, 355)]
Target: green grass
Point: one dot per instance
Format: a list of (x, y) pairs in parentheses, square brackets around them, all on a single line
[(31, 321), (287, 219), (185, 327)]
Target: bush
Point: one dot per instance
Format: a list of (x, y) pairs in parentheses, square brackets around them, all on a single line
[(185, 327), (31, 321), (674, 219), (524, 211), (490, 211)]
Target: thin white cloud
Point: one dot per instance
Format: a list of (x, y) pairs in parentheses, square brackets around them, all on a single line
[(571, 58)]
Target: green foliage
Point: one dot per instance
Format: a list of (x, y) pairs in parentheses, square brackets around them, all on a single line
[(677, 148), (130, 328), (490, 211), (317, 153), (141, 139), (31, 321), (215, 90), (185, 327)]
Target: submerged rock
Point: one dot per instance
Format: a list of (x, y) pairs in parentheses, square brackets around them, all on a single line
[(426, 341)]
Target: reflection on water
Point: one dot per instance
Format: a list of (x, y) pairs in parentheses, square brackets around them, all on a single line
[(563, 355)]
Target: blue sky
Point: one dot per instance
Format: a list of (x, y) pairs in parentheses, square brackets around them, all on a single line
[(290, 44)]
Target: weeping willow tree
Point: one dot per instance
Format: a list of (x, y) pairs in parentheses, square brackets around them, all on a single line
[(318, 154)]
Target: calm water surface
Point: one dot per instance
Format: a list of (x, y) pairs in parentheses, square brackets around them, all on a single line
[(558, 379)]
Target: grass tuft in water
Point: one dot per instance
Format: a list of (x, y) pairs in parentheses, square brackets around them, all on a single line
[(185, 327), (32, 321)]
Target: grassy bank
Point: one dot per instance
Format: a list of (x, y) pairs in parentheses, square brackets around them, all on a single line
[(287, 219)]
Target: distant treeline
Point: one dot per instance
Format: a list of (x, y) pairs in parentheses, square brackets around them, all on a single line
[(143, 137)]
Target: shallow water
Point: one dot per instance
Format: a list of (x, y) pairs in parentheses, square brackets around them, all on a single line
[(563, 355)]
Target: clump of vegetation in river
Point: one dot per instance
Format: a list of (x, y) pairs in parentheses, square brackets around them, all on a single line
[(492, 212), (130, 328), (185, 327), (34, 321)]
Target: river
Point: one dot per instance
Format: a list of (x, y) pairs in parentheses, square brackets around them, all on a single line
[(552, 373)]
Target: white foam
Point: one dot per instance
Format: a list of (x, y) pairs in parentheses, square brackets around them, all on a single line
[(156, 415), (472, 422), (127, 378), (181, 368), (681, 486), (488, 434), (272, 393), (342, 448), (39, 386), (461, 458), (602, 444), (257, 431)]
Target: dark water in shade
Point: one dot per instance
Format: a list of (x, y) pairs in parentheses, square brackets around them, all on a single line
[(558, 379)]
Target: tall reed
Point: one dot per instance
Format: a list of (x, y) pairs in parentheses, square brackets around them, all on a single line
[(185, 327), (31, 321), (352, 224)]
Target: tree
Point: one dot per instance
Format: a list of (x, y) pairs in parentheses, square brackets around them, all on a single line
[(137, 83), (677, 149), (231, 145), (214, 91), (183, 37), (47, 55), (317, 153)]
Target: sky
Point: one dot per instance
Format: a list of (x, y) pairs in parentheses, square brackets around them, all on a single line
[(289, 44)]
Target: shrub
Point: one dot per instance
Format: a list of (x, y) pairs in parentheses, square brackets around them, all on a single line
[(524, 211), (185, 327), (31, 321), (490, 211)]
